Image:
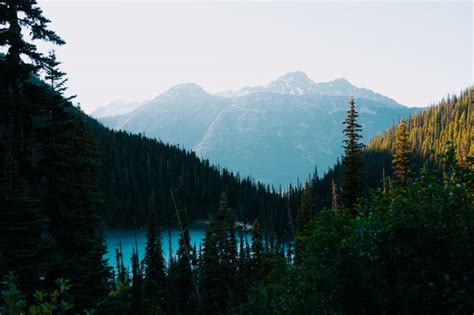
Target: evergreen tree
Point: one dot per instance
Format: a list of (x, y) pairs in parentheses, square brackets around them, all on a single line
[(401, 161), (257, 252), (305, 213), (155, 276), (242, 278), (137, 294), (352, 162), (24, 15), (334, 203), (219, 265), (230, 247), (67, 186), (23, 228), (211, 277), (184, 285), (53, 75), (17, 17), (306, 210), (121, 271), (76, 226)]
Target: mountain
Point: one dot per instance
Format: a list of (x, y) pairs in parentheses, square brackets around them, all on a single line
[(179, 116), (116, 108), (298, 83), (291, 125), (261, 133)]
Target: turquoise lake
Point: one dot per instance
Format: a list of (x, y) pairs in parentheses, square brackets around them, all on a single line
[(127, 238)]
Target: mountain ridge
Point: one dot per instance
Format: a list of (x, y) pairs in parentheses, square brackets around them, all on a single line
[(284, 118)]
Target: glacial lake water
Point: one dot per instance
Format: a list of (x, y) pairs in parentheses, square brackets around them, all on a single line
[(127, 237)]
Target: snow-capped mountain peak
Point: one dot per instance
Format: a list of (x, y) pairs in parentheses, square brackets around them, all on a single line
[(298, 83), (294, 83)]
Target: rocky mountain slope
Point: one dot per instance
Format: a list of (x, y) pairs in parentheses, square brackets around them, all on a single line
[(277, 132)]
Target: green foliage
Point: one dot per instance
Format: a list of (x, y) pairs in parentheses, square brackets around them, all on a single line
[(15, 17), (14, 302), (23, 224), (410, 250), (132, 165), (219, 262), (401, 159), (430, 130), (155, 277), (279, 292), (53, 75), (185, 294), (137, 294), (352, 161), (305, 213)]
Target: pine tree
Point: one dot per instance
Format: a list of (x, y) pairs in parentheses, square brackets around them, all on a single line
[(306, 210), (24, 15), (137, 294), (121, 271), (230, 247), (53, 75), (243, 268), (352, 161), (219, 261), (257, 252), (334, 203), (23, 227), (401, 161), (16, 18), (184, 285), (76, 225), (155, 276), (305, 213), (211, 277)]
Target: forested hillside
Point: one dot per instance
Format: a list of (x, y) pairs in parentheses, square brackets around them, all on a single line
[(449, 121), (429, 131), (132, 166)]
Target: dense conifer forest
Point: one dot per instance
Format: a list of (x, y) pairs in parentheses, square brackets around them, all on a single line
[(389, 229), (132, 166)]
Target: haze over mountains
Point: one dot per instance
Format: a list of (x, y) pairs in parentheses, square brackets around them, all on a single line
[(291, 124), (116, 108)]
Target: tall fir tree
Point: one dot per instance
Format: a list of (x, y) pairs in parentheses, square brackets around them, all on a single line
[(334, 197), (22, 60), (76, 224), (211, 278), (23, 230), (305, 213), (352, 161), (24, 15), (186, 293), (219, 265), (155, 276), (137, 294), (54, 77), (230, 249), (67, 186), (257, 252), (120, 266), (401, 158)]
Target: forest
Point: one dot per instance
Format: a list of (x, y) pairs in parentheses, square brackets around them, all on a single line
[(389, 229)]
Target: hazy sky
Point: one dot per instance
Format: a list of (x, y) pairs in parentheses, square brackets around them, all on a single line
[(415, 53)]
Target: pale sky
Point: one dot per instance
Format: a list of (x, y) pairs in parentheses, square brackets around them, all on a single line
[(415, 53)]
